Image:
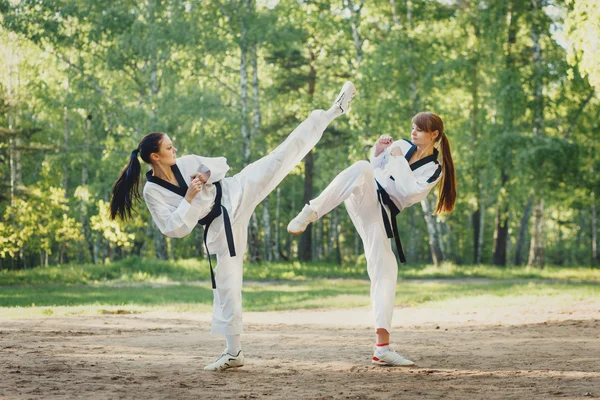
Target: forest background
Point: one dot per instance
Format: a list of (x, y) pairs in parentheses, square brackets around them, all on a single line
[(515, 82)]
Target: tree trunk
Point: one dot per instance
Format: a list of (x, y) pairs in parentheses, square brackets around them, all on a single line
[(65, 181), (594, 232), (160, 242), (414, 93), (476, 220), (522, 231), (291, 238), (14, 140), (315, 233), (17, 113), (85, 221), (501, 238), (337, 230), (395, 18), (12, 162), (254, 251), (277, 249), (332, 233), (437, 254), (246, 133), (323, 242), (355, 11), (439, 231), (537, 79), (449, 248), (536, 251), (479, 214), (254, 133), (246, 139), (479, 242), (501, 230), (266, 220), (305, 248), (318, 254), (412, 241)]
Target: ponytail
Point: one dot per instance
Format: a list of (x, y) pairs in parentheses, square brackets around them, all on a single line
[(430, 122), (126, 190), (447, 189)]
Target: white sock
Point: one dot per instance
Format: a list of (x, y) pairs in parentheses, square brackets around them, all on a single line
[(380, 350), (234, 344)]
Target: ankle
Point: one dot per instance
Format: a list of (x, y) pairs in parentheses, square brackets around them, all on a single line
[(333, 112), (234, 344), (381, 348)]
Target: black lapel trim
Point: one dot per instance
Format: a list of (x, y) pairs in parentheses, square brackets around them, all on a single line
[(181, 190), (410, 152), (423, 161), (179, 177), (435, 175)]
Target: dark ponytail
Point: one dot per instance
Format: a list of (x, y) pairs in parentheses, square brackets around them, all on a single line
[(126, 190)]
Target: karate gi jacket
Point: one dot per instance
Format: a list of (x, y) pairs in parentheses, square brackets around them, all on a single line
[(171, 212), (406, 184)]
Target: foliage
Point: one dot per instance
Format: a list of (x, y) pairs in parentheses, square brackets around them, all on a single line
[(39, 224), (81, 82), (582, 26)]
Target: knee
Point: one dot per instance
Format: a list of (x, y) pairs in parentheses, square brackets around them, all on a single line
[(364, 168)]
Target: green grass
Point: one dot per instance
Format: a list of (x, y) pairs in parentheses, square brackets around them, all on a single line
[(136, 286), (108, 298), (153, 271)]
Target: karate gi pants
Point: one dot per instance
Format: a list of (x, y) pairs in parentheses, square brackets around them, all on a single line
[(241, 194), (356, 187)]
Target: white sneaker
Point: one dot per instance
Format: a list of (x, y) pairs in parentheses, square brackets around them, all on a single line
[(301, 221), (345, 97), (392, 359), (226, 361)]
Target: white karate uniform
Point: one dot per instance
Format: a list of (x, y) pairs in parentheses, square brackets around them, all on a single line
[(356, 186), (175, 217)]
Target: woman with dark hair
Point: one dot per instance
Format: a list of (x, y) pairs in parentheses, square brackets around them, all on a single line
[(182, 192), (398, 175)]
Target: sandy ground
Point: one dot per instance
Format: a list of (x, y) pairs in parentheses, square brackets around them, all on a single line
[(462, 351)]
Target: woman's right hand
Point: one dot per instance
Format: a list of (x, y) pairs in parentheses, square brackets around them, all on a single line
[(382, 143), (193, 189)]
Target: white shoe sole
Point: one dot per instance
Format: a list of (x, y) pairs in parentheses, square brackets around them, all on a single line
[(295, 233), (224, 369), (385, 364)]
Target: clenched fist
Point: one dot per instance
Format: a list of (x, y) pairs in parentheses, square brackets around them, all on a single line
[(382, 143), (194, 188)]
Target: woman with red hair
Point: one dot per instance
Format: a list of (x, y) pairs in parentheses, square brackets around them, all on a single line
[(399, 174)]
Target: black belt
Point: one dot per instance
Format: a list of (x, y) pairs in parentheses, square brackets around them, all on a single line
[(217, 209), (392, 232)]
